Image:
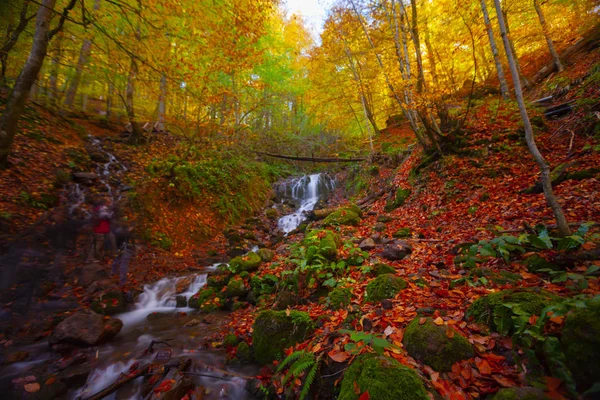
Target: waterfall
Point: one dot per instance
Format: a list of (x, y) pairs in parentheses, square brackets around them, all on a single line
[(306, 191)]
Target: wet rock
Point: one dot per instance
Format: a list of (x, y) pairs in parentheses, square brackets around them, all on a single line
[(86, 328), (183, 284), (367, 244), (84, 177), (384, 287), (432, 345), (99, 156), (15, 357), (397, 251), (110, 303), (181, 301), (192, 323)]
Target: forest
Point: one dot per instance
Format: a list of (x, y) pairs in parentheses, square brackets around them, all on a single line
[(217, 199)]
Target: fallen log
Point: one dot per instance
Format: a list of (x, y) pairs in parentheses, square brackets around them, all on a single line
[(311, 159), (121, 381)]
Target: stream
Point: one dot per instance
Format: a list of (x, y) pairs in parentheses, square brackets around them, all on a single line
[(155, 315)]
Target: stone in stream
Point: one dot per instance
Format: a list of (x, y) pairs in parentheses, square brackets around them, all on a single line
[(86, 328), (250, 262), (84, 177), (367, 244), (397, 251), (181, 301)]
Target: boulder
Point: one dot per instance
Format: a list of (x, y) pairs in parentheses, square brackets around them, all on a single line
[(84, 176), (110, 303), (383, 378), (274, 331), (385, 286), (381, 269), (520, 393), (86, 328), (181, 301), (266, 254), (367, 244), (235, 287), (250, 262), (322, 242), (243, 352), (397, 251), (431, 345), (206, 300), (339, 298), (183, 284), (91, 273), (342, 216)]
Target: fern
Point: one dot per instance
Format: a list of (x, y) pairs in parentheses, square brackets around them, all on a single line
[(310, 378), (300, 362)]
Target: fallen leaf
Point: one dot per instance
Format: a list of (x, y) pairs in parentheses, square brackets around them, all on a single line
[(438, 321), (32, 387), (365, 396), (484, 367), (388, 331), (338, 356), (422, 321), (553, 383), (450, 333)]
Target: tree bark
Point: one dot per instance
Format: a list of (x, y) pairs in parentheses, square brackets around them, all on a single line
[(16, 100), (430, 55), (561, 221), (417, 42), (12, 36), (162, 104), (553, 52), (53, 94), (511, 47)]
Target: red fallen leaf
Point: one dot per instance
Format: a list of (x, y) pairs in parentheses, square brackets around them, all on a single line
[(558, 319), (422, 321), (356, 388), (484, 367), (553, 383), (338, 356), (504, 381), (165, 386), (365, 396), (50, 381), (552, 395)]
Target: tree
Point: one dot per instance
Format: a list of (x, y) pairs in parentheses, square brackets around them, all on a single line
[(499, 69), (15, 103), (561, 221), (553, 52), (12, 36)]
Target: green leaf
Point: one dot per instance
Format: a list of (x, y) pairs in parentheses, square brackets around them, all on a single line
[(592, 269)]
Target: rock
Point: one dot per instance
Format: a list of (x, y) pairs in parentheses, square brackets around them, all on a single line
[(401, 197), (383, 378), (235, 287), (339, 298), (217, 280), (381, 269), (395, 252), (342, 217), (250, 262), (230, 340), (15, 357), (110, 303), (581, 343), (183, 284), (91, 273), (367, 244), (529, 300), (99, 156), (387, 304), (520, 393), (206, 300), (192, 323), (85, 327), (285, 299), (266, 254), (425, 311), (84, 176), (384, 218), (431, 345), (379, 227), (243, 352), (376, 238), (181, 301), (384, 287), (402, 233), (272, 214), (322, 242), (274, 331)]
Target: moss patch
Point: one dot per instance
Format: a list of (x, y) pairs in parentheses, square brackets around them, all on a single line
[(339, 298), (581, 342), (230, 340), (206, 300), (385, 286), (402, 233), (536, 262), (430, 344), (274, 331), (244, 353), (531, 300), (401, 197), (342, 217), (381, 269), (322, 242), (520, 393), (250, 262), (266, 254), (235, 287), (384, 378)]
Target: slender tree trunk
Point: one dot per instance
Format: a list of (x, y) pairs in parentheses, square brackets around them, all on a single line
[(561, 221), (162, 103), (430, 55), (54, 69), (16, 100), (12, 36), (511, 43), (417, 42), (109, 99), (136, 132), (84, 56), (545, 30)]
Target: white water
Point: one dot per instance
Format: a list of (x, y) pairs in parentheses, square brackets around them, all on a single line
[(305, 190)]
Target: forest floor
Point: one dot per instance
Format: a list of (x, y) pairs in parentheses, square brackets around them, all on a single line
[(472, 196)]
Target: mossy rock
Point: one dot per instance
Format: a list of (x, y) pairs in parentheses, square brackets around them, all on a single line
[(383, 287), (274, 331), (271, 214), (264, 285), (382, 269), (520, 393), (402, 233), (207, 300), (230, 340), (342, 216), (110, 303), (322, 242), (235, 287), (583, 174), (536, 262), (339, 298), (217, 281), (243, 352), (383, 377), (581, 343), (429, 344), (250, 262), (529, 300), (384, 218), (266, 254), (401, 196)]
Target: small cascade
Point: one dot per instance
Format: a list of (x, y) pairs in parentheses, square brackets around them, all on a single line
[(306, 191)]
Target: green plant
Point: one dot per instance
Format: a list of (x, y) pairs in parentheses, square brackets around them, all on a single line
[(361, 339), (580, 281), (300, 362)]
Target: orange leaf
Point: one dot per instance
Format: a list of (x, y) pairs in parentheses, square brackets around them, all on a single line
[(484, 367), (50, 380), (553, 383), (558, 319), (338, 356), (422, 321), (450, 333), (32, 387), (438, 321)]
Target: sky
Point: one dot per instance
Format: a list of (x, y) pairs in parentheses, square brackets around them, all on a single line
[(313, 11)]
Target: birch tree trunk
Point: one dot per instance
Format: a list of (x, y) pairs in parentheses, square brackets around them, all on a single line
[(162, 104), (16, 100), (84, 56), (553, 52), (561, 222)]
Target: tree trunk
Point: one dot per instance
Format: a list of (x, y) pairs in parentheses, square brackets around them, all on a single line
[(53, 94), (563, 226), (512, 49), (16, 100), (553, 52), (162, 104), (84, 56), (430, 55), (136, 132), (12, 36), (417, 43)]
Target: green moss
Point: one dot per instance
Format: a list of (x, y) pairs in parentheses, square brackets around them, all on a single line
[(529, 300), (536, 262), (381, 269), (230, 340), (520, 393), (402, 233), (581, 342), (401, 197), (266, 254), (271, 214), (274, 331), (384, 378), (217, 281), (243, 352), (109, 304), (583, 174), (385, 286), (322, 242), (235, 287), (384, 218), (244, 274), (250, 262), (207, 300), (339, 298), (430, 344), (342, 217)]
